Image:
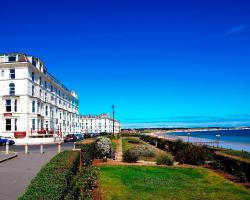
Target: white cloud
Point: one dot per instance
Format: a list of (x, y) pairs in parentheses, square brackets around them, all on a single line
[(237, 29)]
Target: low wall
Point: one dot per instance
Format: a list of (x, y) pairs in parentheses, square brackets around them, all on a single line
[(23, 141)]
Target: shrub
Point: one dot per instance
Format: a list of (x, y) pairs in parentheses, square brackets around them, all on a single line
[(143, 150), (235, 166), (165, 159), (83, 183), (130, 156), (54, 179), (194, 155), (87, 150), (179, 145), (133, 140), (103, 147)]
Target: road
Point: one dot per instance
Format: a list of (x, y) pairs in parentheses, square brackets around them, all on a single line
[(16, 174)]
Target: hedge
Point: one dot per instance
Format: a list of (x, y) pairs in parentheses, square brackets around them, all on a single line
[(83, 184), (54, 179), (234, 166), (88, 151), (231, 164)]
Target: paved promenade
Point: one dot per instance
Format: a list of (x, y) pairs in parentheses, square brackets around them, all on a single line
[(16, 174)]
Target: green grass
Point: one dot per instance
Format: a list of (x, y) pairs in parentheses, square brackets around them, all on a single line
[(140, 182)]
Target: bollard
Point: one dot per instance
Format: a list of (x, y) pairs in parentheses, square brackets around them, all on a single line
[(59, 147), (74, 145), (7, 147), (26, 148), (41, 148)]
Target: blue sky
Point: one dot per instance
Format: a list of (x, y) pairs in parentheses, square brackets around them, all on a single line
[(158, 61)]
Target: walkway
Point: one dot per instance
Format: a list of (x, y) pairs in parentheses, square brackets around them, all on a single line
[(16, 174), (118, 153)]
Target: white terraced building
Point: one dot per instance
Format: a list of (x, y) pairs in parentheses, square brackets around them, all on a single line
[(99, 124), (33, 102)]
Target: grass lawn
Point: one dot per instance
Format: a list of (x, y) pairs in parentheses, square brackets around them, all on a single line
[(141, 182), (127, 144)]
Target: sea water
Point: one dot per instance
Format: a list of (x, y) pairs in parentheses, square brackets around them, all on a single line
[(231, 139)]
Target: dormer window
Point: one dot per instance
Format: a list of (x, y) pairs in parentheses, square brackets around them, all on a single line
[(12, 58), (34, 63)]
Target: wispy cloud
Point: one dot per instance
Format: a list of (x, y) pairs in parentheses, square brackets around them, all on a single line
[(237, 29)]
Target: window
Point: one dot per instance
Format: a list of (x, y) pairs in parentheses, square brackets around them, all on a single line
[(15, 124), (40, 93), (12, 58), (33, 124), (45, 96), (33, 76), (2, 74), (33, 90), (34, 63), (8, 124), (38, 107), (51, 88), (45, 84), (46, 110), (15, 107), (8, 105), (40, 80), (33, 106), (12, 73), (12, 89)]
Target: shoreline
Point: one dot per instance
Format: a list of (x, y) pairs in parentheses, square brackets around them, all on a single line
[(222, 143)]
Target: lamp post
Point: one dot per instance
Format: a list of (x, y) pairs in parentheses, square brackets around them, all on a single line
[(218, 140), (188, 137), (113, 109)]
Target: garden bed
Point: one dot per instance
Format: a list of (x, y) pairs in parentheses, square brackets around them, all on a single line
[(131, 142)]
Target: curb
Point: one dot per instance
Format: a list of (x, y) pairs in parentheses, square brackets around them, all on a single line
[(9, 158)]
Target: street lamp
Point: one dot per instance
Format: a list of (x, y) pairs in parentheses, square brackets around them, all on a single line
[(218, 140), (113, 108), (188, 137)]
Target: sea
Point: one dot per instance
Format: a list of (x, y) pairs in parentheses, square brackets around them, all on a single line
[(230, 139)]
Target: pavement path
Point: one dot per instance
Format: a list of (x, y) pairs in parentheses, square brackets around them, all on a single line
[(118, 155), (16, 174), (4, 157)]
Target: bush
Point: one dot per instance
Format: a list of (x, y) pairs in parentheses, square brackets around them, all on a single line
[(87, 150), (194, 155), (54, 179), (130, 156), (133, 140), (179, 145), (234, 166), (143, 150), (165, 159), (83, 183), (103, 147), (133, 154)]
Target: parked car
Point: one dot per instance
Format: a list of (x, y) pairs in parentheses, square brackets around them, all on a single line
[(70, 138), (79, 136), (3, 141)]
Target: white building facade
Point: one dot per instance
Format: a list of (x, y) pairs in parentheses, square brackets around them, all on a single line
[(32, 101), (99, 124)]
